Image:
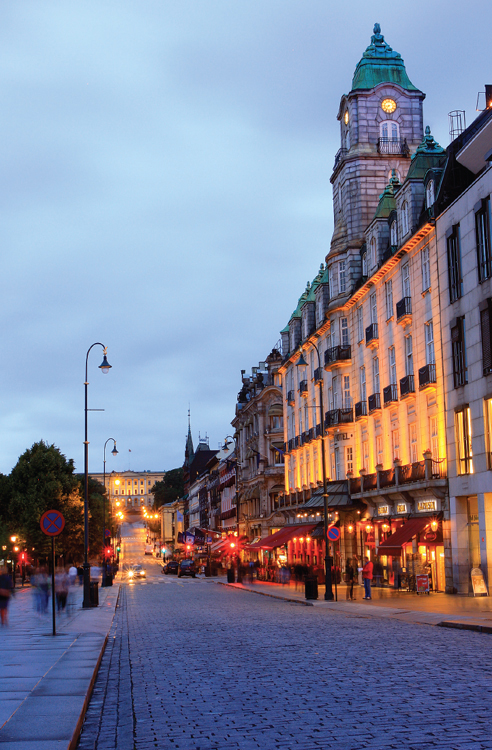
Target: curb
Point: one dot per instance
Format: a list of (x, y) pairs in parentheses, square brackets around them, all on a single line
[(455, 624), (263, 593)]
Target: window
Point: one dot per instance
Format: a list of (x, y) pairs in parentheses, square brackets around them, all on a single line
[(374, 308), (405, 278), (482, 231), (389, 130), (332, 280), (362, 382), (392, 365), (388, 295), (373, 254), (429, 194), (404, 218), (334, 384), (488, 430), (347, 140), (344, 332), (454, 263), (349, 459), (319, 307), (486, 329), (315, 461), (393, 234), (360, 324), (347, 401), (426, 278), (430, 358), (379, 449), (464, 441), (375, 374), (395, 443), (408, 356), (434, 437), (459, 352), (365, 455), (341, 277), (413, 443), (364, 264)]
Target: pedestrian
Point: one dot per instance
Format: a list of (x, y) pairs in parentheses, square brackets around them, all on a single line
[(72, 574), (61, 589), (80, 574), (378, 572), (349, 578), (5, 593), (367, 578)]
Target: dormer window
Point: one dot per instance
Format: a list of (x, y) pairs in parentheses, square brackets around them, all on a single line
[(404, 218), (393, 234), (429, 194), (364, 264), (372, 258)]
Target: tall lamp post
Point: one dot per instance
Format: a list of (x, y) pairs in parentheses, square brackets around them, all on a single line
[(104, 367), (226, 444), (301, 362), (114, 452)]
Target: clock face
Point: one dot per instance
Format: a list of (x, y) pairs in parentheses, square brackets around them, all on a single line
[(388, 106), (346, 117)]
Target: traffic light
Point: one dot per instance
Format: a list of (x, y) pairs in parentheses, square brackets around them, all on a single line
[(108, 551), (23, 556), (118, 548)]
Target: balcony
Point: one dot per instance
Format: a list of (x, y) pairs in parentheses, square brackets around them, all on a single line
[(372, 336), (291, 399), (386, 478), (427, 377), (374, 402), (337, 356), (297, 441), (339, 157), (318, 430), (360, 410), (291, 444), (317, 375), (303, 388), (407, 386), (404, 311), (336, 417), (395, 146), (390, 394)]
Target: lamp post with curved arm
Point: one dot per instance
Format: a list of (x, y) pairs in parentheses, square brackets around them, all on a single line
[(104, 367), (114, 452), (229, 437), (301, 362)]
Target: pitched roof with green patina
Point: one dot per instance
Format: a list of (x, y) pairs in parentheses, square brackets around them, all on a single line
[(308, 295), (429, 155), (387, 202), (380, 64)]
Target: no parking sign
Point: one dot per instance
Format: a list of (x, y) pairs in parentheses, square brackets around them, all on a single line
[(333, 533)]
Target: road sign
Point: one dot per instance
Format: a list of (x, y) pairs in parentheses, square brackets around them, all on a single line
[(107, 532), (333, 533), (52, 523)]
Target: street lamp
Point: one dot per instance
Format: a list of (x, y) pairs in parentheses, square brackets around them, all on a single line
[(301, 362), (226, 445), (104, 367), (114, 452)]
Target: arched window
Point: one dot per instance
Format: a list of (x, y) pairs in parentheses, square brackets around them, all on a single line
[(404, 218), (429, 194), (393, 234)]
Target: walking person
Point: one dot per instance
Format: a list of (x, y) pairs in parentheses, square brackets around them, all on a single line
[(5, 594), (349, 578), (367, 578)]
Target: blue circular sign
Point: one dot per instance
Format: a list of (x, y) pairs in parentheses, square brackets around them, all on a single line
[(333, 533)]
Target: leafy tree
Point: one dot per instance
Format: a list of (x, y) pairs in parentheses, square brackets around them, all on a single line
[(5, 495), (171, 488), (97, 496)]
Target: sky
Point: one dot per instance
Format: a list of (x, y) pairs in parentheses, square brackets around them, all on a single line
[(164, 190)]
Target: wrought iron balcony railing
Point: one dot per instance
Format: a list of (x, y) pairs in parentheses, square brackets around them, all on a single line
[(404, 310), (372, 334), (390, 394), (427, 376), (374, 402), (361, 409), (407, 386), (337, 355)]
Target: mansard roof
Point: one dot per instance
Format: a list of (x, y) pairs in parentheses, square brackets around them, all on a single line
[(380, 64), (429, 155), (311, 297)]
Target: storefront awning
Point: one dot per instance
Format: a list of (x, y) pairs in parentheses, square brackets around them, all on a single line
[(283, 536), (338, 496), (393, 544)]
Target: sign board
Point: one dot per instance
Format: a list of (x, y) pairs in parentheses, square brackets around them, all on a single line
[(333, 533), (422, 583), (425, 505), (107, 532), (52, 523), (478, 584), (401, 508), (383, 510)]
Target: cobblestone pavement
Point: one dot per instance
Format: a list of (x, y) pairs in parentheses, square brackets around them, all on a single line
[(191, 665)]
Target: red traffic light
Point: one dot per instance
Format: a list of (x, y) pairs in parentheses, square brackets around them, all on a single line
[(108, 551)]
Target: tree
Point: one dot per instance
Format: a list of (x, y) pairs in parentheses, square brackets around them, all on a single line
[(96, 498), (170, 489)]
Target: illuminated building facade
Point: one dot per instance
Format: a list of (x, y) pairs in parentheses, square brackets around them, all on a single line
[(130, 490)]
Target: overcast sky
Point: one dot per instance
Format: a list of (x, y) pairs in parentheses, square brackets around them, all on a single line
[(164, 173)]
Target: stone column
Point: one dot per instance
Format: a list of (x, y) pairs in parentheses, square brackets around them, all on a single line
[(485, 530), (460, 549)]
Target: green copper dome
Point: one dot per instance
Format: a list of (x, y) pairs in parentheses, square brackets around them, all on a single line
[(380, 64)]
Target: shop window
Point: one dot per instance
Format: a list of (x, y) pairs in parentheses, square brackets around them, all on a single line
[(464, 441), (482, 232), (454, 263), (460, 370)]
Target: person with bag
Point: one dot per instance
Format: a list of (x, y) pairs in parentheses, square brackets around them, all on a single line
[(367, 578), (5, 594)]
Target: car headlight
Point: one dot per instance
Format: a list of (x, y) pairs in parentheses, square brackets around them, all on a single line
[(130, 574), (142, 572)]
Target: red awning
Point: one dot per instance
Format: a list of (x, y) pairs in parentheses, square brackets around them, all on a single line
[(282, 536), (393, 544)]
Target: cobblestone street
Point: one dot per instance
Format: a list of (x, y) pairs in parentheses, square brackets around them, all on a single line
[(191, 665)]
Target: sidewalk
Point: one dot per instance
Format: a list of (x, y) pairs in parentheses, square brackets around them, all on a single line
[(463, 612), (46, 681)]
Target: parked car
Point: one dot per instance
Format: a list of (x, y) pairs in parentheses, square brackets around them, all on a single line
[(187, 568), (170, 567)]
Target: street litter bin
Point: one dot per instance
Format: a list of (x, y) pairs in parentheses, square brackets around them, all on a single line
[(94, 593), (109, 579), (230, 575), (311, 587)]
